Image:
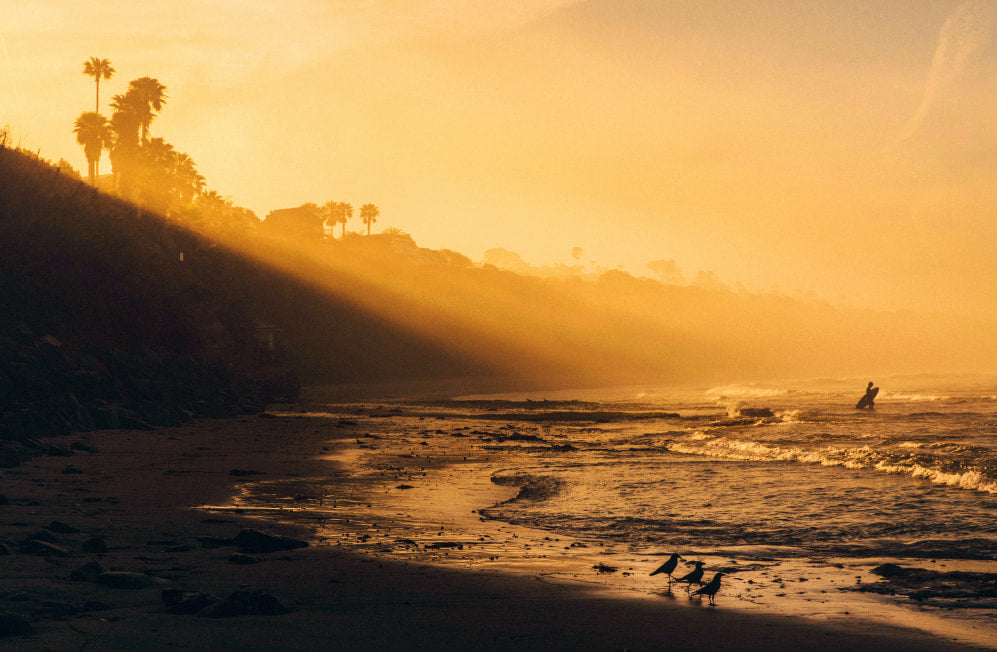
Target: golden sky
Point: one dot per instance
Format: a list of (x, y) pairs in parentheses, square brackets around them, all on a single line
[(847, 148)]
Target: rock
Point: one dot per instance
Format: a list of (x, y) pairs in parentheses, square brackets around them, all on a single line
[(94, 545), (44, 535), (71, 469), (14, 625), (43, 549), (242, 560), (245, 603), (5, 550), (890, 570), (83, 446), (124, 580), (756, 412), (62, 528), (179, 602), (254, 541), (87, 572)]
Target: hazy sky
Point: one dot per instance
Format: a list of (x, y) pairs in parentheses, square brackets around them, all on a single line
[(845, 147)]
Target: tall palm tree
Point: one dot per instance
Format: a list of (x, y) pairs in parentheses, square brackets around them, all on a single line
[(93, 132), (126, 122), (150, 92), (369, 213), (345, 214), (331, 211), (98, 68)]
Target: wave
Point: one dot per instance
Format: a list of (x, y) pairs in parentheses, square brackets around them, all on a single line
[(744, 391), (914, 398), (925, 467)]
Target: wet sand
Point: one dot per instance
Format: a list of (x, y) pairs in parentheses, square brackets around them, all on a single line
[(167, 501)]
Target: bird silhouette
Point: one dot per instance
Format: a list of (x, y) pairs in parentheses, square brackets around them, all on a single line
[(668, 567), (695, 577), (710, 590)]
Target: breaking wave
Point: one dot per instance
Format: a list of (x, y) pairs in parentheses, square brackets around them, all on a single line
[(933, 468)]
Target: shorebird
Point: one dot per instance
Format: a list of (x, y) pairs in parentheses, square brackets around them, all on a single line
[(710, 590), (668, 567), (695, 577)]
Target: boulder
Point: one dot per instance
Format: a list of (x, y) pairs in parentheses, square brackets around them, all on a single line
[(255, 541), (245, 603), (94, 545), (87, 572), (43, 549)]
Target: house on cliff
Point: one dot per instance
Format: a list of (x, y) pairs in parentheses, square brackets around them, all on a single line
[(305, 221)]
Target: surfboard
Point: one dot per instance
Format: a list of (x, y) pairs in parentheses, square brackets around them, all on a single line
[(866, 401)]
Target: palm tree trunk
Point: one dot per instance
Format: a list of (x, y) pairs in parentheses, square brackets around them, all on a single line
[(96, 107)]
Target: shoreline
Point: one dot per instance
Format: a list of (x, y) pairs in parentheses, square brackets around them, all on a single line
[(141, 491)]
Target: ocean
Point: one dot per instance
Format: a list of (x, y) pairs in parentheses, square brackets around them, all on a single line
[(808, 505)]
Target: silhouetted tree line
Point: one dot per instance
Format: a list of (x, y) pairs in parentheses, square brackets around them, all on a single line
[(148, 170)]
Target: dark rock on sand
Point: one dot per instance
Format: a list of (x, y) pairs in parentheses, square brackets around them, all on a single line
[(87, 572), (890, 570), (44, 535), (245, 603), (254, 541), (125, 580), (62, 528), (94, 545), (14, 625), (40, 548), (181, 602)]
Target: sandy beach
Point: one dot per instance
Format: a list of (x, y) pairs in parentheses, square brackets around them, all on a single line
[(169, 506)]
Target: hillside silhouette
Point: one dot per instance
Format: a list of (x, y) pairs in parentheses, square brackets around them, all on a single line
[(113, 315)]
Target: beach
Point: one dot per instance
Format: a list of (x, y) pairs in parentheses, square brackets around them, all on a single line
[(170, 504)]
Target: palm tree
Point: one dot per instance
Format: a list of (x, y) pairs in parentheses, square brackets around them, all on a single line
[(369, 213), (345, 213), (98, 68), (150, 92), (93, 132), (190, 182), (331, 211), (130, 115)]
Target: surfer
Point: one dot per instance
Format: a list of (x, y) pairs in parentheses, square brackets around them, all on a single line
[(867, 400)]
